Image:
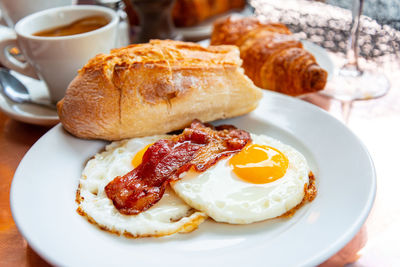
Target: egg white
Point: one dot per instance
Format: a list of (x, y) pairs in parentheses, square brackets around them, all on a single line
[(168, 216), (223, 196)]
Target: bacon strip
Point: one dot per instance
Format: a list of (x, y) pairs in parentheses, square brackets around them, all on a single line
[(199, 146)]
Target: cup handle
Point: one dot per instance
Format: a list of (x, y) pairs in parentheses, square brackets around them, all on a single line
[(8, 39)]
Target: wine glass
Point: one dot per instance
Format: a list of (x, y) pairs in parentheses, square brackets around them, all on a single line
[(350, 82)]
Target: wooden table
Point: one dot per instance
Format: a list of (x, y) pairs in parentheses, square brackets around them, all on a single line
[(376, 122), (15, 140)]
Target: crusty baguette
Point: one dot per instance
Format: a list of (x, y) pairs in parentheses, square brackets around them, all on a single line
[(156, 88), (272, 57)]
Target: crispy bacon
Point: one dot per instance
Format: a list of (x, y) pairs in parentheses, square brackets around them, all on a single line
[(198, 147)]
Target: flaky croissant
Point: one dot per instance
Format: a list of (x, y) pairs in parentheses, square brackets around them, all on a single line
[(272, 57)]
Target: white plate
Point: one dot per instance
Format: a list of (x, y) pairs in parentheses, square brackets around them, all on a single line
[(29, 113), (321, 56), (43, 201)]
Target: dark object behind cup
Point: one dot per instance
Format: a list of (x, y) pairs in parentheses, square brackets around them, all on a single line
[(155, 20)]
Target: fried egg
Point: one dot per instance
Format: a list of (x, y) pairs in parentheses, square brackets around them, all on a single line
[(264, 180), (168, 216)]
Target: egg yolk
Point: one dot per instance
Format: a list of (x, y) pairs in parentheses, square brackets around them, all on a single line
[(259, 164), (137, 159)]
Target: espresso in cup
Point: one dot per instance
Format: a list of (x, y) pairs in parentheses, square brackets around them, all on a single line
[(77, 27), (57, 59)]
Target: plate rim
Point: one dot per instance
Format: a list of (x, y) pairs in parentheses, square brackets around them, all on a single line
[(323, 255)]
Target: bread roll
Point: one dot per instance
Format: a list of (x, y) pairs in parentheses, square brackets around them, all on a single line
[(156, 88), (272, 57), (187, 13)]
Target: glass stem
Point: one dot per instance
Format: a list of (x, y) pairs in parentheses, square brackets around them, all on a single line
[(352, 49), (346, 110)]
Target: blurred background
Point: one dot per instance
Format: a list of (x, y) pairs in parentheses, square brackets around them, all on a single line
[(325, 22)]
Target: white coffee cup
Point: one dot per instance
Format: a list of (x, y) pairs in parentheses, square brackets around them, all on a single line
[(56, 60), (14, 10)]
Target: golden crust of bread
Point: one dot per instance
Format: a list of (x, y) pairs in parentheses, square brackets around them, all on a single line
[(154, 88)]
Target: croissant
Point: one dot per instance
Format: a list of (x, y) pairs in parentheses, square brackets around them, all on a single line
[(187, 13), (272, 57), (191, 12), (155, 88)]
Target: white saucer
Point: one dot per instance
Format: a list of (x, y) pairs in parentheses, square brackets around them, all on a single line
[(29, 113)]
